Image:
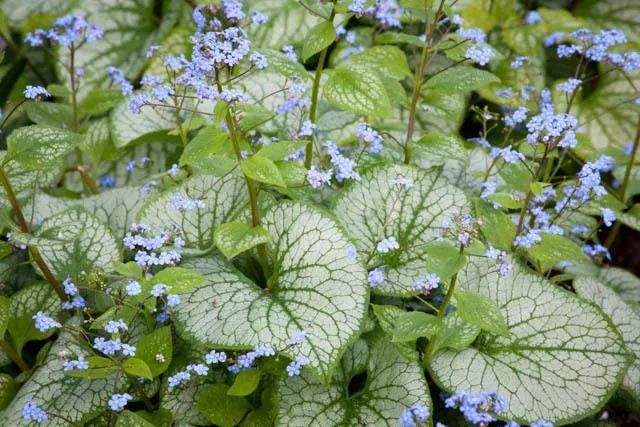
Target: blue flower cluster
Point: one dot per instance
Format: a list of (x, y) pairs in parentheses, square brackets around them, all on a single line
[(479, 407)]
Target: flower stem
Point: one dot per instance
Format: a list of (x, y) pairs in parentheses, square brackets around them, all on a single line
[(24, 227), (625, 183), (308, 155), (14, 355), (417, 85)]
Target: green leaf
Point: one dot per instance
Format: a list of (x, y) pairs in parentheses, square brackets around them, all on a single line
[(357, 90), (220, 408), (8, 389), (74, 241), (263, 170), (481, 311), (196, 226), (413, 325), (37, 147), (131, 419), (555, 337), (391, 385), (158, 342), (605, 14), (624, 317), (130, 269), (443, 259), (100, 101), (460, 79), (178, 279), (311, 272), (496, 226), (57, 393), (99, 368), (455, 333), (375, 208), (50, 114), (209, 141), (279, 150), (233, 238), (288, 23), (387, 315), (389, 61), (553, 249), (245, 383), (5, 315), (317, 39), (137, 368), (96, 142)]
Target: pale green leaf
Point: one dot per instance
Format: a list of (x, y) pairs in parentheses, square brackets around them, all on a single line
[(177, 279), (626, 319), (50, 114), (25, 182), (157, 342), (625, 283), (24, 305), (562, 361), (220, 408), (279, 62), (137, 368), (128, 128), (288, 23), (37, 147), (131, 419), (413, 325), (197, 225), (389, 61), (315, 287), (375, 208), (392, 384), (317, 39), (607, 14), (261, 169), (554, 248), (357, 90), (496, 226), (455, 333), (245, 383), (233, 238), (460, 79), (8, 389), (387, 315), (481, 311)]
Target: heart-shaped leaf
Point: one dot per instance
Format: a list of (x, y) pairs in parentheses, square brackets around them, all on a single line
[(561, 362), (380, 206), (388, 384), (315, 287)]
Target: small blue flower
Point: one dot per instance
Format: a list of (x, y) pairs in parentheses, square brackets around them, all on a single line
[(32, 412), (376, 277), (35, 92), (117, 402), (44, 323), (414, 416), (294, 367)]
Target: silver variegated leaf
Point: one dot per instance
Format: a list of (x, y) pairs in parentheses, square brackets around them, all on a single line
[(25, 182), (54, 391), (376, 208), (392, 384), (626, 319), (74, 241), (562, 361), (126, 127), (623, 282), (220, 199), (288, 23), (315, 287), (118, 208)]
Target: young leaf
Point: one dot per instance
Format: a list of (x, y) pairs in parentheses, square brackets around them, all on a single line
[(131, 419), (623, 282), (553, 334), (455, 333), (460, 79), (481, 311), (99, 368), (553, 249), (236, 237), (8, 389), (390, 385), (130, 269), (150, 124), (50, 114), (156, 350), (312, 269), (279, 150), (625, 317), (137, 368), (220, 408), (318, 38), (413, 325), (443, 259), (245, 383), (263, 170), (178, 279), (375, 208), (496, 226), (38, 147), (279, 62), (357, 90), (100, 101), (389, 61), (387, 315)]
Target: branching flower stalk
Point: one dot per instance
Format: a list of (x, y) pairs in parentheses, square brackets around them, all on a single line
[(308, 156)]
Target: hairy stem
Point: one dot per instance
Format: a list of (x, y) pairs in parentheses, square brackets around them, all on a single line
[(308, 155), (625, 183), (24, 227), (14, 355), (74, 89)]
